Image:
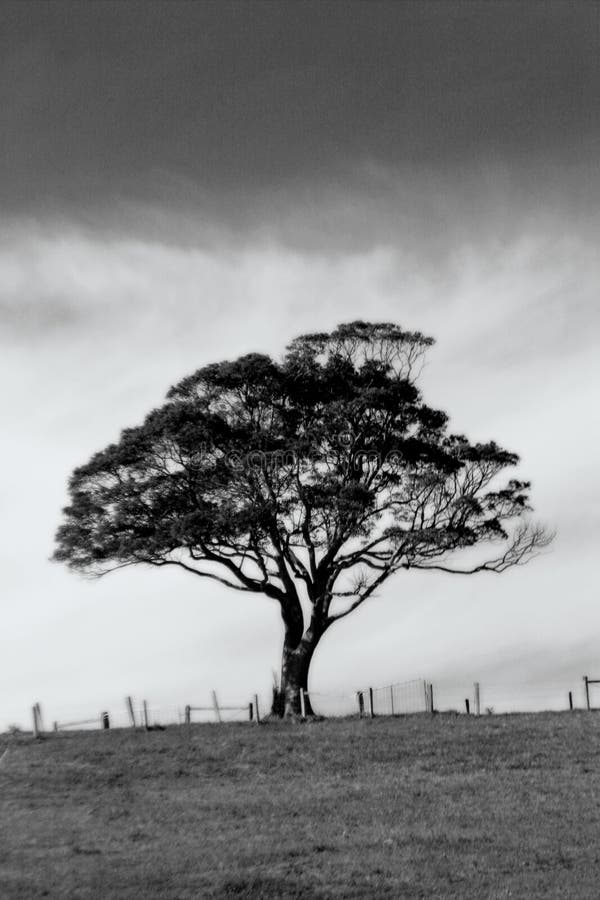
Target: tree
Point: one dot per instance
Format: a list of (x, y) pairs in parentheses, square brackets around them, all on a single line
[(311, 480)]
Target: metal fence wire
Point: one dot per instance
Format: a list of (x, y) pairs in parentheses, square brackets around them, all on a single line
[(400, 699)]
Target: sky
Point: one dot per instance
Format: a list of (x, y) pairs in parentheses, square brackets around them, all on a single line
[(182, 183)]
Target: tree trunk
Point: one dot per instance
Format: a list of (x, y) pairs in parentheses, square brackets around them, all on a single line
[(295, 664)]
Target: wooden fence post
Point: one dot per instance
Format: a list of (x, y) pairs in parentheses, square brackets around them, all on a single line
[(361, 703), (130, 710), (587, 692), (431, 706), (256, 712), (467, 706), (571, 701), (36, 726), (477, 699), (371, 708), (105, 720), (392, 698), (40, 719), (216, 706), (426, 696), (302, 704), (250, 713), (188, 715), (146, 723), (55, 726)]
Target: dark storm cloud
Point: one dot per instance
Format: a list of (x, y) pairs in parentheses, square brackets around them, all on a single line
[(153, 100)]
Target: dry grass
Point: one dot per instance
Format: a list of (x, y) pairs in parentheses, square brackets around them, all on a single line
[(423, 807)]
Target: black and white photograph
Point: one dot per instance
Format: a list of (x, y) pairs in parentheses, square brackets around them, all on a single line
[(300, 486)]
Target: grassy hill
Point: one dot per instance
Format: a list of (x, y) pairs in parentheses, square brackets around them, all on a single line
[(419, 807)]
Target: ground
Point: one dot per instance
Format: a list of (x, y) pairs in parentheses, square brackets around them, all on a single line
[(417, 807)]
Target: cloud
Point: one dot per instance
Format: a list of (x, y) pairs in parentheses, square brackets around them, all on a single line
[(106, 100), (146, 313), (189, 182)]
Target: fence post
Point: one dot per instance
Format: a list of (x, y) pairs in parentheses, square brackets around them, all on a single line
[(129, 703), (477, 699), (302, 704), (431, 707), (216, 706), (105, 720), (188, 714), (145, 715), (36, 727), (392, 698), (571, 701), (371, 709), (55, 726), (361, 704), (426, 695), (256, 712), (467, 706), (587, 692), (40, 719)]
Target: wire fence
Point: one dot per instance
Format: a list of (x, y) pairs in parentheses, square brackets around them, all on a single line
[(400, 699), (475, 698), (142, 714), (492, 697), (397, 699)]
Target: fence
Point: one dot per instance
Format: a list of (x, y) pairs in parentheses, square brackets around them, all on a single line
[(475, 698), (101, 721), (398, 699), (250, 710), (498, 697), (140, 714)]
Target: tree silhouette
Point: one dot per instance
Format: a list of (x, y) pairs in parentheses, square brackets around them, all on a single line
[(311, 480)]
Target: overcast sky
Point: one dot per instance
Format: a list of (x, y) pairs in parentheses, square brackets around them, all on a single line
[(184, 182)]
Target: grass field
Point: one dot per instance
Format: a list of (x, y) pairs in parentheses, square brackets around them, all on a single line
[(443, 806)]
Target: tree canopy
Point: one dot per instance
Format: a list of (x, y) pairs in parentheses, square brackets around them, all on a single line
[(311, 480)]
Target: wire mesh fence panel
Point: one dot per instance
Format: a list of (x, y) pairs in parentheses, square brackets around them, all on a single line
[(400, 699)]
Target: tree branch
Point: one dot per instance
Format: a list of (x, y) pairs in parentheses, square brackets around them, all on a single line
[(528, 541)]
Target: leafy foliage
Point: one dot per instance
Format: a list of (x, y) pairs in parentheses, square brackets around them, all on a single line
[(312, 479)]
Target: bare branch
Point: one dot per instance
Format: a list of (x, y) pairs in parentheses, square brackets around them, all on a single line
[(528, 542)]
